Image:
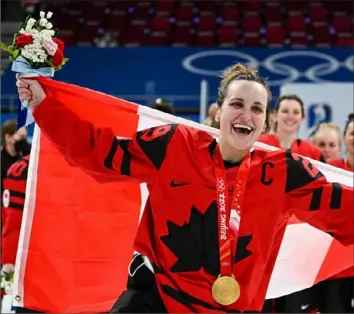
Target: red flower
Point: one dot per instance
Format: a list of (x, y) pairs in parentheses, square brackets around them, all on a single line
[(24, 40), (60, 43), (58, 58)]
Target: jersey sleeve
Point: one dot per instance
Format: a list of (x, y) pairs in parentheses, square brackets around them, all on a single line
[(325, 205), (97, 150), (13, 200)]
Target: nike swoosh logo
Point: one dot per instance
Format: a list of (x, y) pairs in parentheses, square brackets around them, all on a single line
[(173, 184)]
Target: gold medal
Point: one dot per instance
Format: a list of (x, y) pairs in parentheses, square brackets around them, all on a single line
[(226, 290)]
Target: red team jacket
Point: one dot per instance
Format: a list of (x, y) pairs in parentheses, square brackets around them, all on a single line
[(178, 230), (343, 164), (13, 199), (299, 146)]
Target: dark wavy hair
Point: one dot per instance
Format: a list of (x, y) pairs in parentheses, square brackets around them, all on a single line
[(350, 119)]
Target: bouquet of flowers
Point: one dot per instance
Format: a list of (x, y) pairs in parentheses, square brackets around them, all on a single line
[(35, 51), (37, 45), (7, 280)]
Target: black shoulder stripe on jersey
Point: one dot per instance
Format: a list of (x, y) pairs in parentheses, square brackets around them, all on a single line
[(108, 162), (16, 206), (316, 199), (336, 197), (154, 142), (125, 166), (297, 175), (17, 194)]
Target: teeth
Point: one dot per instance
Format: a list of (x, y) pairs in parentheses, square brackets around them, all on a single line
[(238, 125)]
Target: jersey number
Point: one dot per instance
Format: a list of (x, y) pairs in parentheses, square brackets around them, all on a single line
[(151, 134), (17, 168)]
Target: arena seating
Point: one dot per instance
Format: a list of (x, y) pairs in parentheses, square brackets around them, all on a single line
[(207, 23)]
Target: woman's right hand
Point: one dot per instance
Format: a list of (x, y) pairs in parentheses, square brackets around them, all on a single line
[(30, 90)]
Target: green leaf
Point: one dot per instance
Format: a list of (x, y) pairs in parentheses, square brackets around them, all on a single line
[(3, 46), (16, 53), (10, 49)]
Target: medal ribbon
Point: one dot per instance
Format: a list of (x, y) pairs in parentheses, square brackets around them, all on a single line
[(224, 209)]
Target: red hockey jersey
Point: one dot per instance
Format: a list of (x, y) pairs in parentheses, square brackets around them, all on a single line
[(299, 146), (342, 163), (178, 231), (13, 199)]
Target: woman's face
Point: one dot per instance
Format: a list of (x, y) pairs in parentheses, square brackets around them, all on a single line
[(328, 140), (242, 115), (289, 116), (349, 138)]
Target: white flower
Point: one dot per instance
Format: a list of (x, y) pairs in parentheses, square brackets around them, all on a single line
[(26, 53), (49, 15), (22, 31), (46, 34), (28, 28), (31, 22), (42, 14), (49, 25), (34, 52), (34, 32), (43, 22)]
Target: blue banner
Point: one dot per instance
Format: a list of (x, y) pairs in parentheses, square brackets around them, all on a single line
[(141, 74)]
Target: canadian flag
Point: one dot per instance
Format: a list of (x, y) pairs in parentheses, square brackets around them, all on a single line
[(77, 235)]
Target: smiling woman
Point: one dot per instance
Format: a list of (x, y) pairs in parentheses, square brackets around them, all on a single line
[(327, 137), (243, 111), (189, 256), (289, 114)]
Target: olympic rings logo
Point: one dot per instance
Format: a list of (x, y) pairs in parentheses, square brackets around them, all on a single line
[(274, 64), (221, 184)]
